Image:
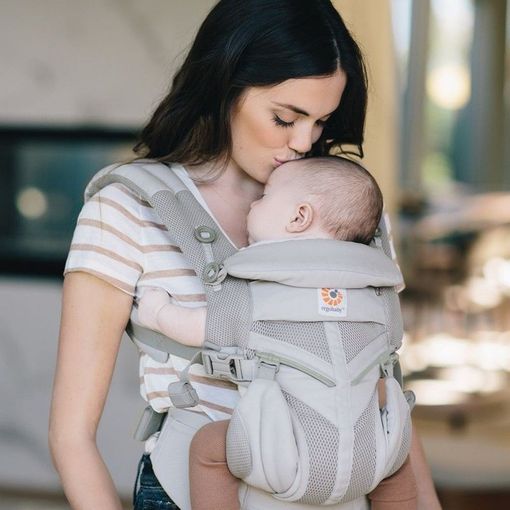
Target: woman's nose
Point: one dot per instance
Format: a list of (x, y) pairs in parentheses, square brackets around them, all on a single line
[(302, 140)]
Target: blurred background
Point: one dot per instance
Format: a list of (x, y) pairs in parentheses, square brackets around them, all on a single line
[(78, 81)]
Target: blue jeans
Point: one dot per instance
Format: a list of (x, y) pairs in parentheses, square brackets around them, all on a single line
[(148, 493)]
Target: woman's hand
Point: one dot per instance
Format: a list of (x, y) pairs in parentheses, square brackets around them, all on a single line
[(94, 315)]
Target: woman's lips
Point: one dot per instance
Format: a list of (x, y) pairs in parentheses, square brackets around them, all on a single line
[(278, 162)]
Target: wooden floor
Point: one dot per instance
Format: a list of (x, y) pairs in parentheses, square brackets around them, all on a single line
[(450, 500), (455, 500)]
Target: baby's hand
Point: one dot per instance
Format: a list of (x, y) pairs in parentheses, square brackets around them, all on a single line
[(149, 306)]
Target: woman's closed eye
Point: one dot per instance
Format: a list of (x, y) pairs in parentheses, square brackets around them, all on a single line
[(280, 122)]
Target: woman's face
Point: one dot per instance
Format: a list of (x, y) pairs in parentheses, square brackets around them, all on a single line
[(272, 125)]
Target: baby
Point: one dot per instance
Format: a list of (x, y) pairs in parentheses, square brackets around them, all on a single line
[(317, 198)]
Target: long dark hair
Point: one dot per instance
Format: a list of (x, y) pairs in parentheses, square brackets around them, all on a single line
[(253, 43)]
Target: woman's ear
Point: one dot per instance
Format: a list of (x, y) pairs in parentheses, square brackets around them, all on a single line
[(301, 220)]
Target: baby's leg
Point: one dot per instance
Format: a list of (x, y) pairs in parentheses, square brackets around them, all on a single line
[(212, 486), (398, 492)]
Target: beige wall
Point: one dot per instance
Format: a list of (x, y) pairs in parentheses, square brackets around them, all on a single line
[(372, 29), (90, 62)]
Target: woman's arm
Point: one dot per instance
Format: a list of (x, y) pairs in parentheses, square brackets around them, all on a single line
[(94, 315), (427, 496)]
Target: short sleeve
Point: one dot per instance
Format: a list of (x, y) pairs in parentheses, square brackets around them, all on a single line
[(108, 239)]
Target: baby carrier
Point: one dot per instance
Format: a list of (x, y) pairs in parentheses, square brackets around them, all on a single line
[(312, 326)]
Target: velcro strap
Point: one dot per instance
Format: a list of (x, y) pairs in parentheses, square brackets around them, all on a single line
[(182, 394)]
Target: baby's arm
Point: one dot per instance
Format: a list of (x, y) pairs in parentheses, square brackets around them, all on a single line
[(185, 325)]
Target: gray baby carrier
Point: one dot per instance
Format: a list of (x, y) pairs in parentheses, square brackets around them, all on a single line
[(312, 327)]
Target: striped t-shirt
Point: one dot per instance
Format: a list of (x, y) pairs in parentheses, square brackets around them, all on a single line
[(119, 239)]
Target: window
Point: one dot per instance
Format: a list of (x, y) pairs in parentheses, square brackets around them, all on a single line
[(44, 174)]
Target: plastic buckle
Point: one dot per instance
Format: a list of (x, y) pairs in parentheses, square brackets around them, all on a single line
[(224, 366)]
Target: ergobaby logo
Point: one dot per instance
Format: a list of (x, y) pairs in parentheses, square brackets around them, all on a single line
[(332, 302)]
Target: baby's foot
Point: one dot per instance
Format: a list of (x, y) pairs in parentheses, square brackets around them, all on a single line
[(150, 304)]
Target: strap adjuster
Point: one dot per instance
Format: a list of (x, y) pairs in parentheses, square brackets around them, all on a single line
[(183, 395), (267, 369), (213, 273)]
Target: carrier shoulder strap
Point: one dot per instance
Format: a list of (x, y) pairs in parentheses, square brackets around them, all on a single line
[(200, 240)]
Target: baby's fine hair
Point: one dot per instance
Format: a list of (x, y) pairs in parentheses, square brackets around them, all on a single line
[(347, 196)]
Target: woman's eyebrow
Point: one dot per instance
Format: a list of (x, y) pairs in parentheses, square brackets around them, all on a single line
[(299, 110)]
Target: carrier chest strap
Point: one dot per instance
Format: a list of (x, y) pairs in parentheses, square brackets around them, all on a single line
[(234, 366)]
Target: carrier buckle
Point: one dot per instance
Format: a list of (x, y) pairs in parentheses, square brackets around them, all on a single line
[(230, 366)]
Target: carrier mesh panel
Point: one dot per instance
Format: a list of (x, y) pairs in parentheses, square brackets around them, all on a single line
[(322, 440), (179, 213), (238, 448), (364, 460), (309, 336), (404, 448), (357, 335), (393, 316)]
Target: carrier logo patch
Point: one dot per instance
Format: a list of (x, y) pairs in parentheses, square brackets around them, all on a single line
[(332, 302)]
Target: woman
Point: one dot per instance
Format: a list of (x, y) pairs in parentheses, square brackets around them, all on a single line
[(265, 81)]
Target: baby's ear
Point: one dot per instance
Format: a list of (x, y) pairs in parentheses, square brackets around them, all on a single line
[(302, 218)]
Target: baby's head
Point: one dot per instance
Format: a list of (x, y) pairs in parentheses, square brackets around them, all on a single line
[(326, 197)]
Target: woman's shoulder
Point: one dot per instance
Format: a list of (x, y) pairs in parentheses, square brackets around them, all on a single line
[(141, 177), (120, 196)]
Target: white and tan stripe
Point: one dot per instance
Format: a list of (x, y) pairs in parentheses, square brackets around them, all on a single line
[(167, 273), (154, 395), (107, 253), (219, 383), (126, 213), (216, 407), (102, 226), (139, 200)]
